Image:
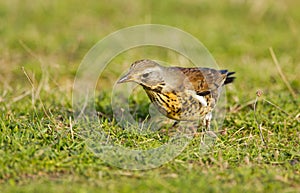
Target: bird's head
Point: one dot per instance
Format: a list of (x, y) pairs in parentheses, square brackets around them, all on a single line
[(144, 72)]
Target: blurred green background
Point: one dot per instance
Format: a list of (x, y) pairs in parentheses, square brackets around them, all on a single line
[(46, 41), (238, 33)]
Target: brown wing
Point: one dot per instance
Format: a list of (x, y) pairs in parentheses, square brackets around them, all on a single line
[(204, 80)]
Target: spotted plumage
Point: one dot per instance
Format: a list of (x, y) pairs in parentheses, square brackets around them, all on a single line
[(181, 94)]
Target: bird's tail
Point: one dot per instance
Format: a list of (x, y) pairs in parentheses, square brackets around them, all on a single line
[(229, 78)]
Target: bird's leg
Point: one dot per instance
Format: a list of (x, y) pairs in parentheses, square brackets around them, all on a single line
[(175, 123), (173, 128), (170, 128), (206, 124), (207, 120)]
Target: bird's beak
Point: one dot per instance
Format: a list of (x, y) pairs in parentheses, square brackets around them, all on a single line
[(126, 78)]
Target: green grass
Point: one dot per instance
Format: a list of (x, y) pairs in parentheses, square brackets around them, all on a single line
[(41, 147)]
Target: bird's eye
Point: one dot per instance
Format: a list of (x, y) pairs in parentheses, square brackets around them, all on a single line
[(146, 75)]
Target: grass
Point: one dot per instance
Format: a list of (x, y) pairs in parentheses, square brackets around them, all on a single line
[(43, 44)]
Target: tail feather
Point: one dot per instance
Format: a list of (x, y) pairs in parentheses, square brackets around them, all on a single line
[(229, 78)]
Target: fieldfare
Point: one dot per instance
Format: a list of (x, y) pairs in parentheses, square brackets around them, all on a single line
[(182, 94)]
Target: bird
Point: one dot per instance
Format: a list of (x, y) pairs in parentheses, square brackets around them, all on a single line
[(179, 93)]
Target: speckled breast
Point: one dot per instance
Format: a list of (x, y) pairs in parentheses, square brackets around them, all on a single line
[(178, 106)]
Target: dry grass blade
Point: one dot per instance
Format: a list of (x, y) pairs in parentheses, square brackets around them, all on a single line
[(239, 107), (35, 92), (259, 125), (20, 97), (71, 128), (32, 86), (281, 74)]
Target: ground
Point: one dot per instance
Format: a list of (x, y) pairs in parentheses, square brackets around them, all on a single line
[(43, 43)]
